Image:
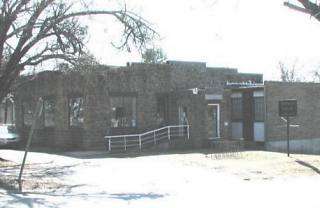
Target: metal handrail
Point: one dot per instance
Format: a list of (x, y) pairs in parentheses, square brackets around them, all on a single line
[(128, 135), (152, 135), (136, 135)]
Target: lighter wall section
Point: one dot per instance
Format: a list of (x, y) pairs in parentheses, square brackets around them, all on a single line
[(308, 118)]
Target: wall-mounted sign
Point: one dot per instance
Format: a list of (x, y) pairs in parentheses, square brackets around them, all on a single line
[(287, 108)]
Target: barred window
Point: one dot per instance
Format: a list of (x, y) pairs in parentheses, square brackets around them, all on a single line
[(2, 112), (236, 108), (27, 109), (76, 117), (123, 111), (7, 112), (48, 112), (259, 111)]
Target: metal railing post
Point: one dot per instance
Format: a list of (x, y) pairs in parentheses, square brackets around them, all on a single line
[(109, 144), (140, 145), (125, 143), (154, 137), (169, 133)]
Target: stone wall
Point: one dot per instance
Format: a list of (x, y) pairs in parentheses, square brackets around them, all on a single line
[(145, 82), (301, 146)]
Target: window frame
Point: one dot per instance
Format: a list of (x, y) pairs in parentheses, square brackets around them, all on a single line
[(240, 101), (7, 112), (2, 112), (69, 111), (45, 99), (134, 115), (30, 102), (262, 119)]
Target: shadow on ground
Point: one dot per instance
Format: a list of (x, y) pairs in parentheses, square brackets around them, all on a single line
[(308, 165), (134, 153), (35, 177), (104, 154), (79, 154), (33, 199), (17, 200), (136, 196)]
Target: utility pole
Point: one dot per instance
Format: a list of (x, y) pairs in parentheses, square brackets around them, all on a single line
[(36, 116)]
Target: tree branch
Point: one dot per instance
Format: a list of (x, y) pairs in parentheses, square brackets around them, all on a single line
[(34, 31), (33, 61), (313, 8)]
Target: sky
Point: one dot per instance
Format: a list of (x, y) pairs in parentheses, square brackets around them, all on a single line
[(250, 35)]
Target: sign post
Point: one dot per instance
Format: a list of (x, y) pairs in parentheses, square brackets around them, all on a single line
[(288, 136), (287, 109)]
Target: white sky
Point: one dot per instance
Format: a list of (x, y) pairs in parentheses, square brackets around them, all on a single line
[(251, 35)]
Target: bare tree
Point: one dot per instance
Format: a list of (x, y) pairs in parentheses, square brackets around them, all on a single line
[(288, 73), (316, 75), (154, 55), (34, 31)]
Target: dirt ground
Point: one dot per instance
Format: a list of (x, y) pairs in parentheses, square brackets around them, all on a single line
[(37, 177), (178, 179), (256, 165)]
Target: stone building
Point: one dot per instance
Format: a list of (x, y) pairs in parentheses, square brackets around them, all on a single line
[(219, 103), (81, 108)]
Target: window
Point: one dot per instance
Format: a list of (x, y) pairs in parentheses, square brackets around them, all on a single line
[(2, 112), (27, 109), (259, 109), (123, 111), (76, 112), (7, 112), (183, 118), (162, 110), (48, 112), (236, 108)]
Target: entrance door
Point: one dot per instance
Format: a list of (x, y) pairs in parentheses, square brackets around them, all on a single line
[(183, 119), (214, 117)]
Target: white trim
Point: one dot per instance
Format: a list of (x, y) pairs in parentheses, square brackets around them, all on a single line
[(218, 118)]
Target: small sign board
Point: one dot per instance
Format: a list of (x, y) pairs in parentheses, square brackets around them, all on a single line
[(288, 108)]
